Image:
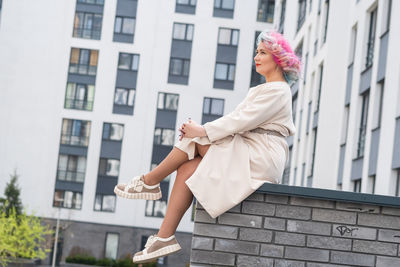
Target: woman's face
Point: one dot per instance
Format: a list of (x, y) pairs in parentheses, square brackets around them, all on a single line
[(265, 63)]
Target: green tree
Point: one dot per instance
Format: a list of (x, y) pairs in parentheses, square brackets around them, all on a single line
[(22, 237), (11, 193)]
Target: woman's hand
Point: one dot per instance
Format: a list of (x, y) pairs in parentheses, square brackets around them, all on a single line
[(191, 129)]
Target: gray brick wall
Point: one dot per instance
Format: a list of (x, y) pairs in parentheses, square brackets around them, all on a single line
[(282, 230)]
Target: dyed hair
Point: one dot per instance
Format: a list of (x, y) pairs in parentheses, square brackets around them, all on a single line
[(282, 54)]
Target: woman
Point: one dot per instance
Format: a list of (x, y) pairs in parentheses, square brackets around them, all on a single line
[(224, 161)]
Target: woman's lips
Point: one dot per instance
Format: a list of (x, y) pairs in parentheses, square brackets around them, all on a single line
[(258, 65)]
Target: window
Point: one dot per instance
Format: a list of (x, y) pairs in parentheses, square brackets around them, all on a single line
[(158, 208), (104, 203), (165, 137), (167, 101), (363, 124), (97, 2), (71, 168), (282, 17), (113, 131), (224, 72), (386, 19), (111, 246), (397, 193), (179, 67), (228, 37), (372, 184), (302, 13), (75, 132), (124, 25), (265, 12), (79, 96), (67, 199), (87, 25), (357, 186), (83, 61), (109, 167), (345, 125), (186, 2), (326, 20), (353, 44), (213, 106), (313, 152), (128, 62), (224, 4), (376, 122), (371, 39), (183, 32), (124, 97), (321, 70)]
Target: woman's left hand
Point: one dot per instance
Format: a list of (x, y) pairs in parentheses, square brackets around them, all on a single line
[(192, 129)]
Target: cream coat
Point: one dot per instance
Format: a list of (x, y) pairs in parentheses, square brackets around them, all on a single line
[(238, 161)]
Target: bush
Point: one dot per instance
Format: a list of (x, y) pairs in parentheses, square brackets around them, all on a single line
[(83, 259)]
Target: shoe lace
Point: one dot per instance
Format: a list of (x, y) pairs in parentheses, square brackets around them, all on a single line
[(150, 241), (135, 183)]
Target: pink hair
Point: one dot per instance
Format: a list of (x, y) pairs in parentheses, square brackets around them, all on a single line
[(282, 54)]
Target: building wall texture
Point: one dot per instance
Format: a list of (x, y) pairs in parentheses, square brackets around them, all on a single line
[(299, 231)]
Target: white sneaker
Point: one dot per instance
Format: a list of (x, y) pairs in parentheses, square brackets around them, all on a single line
[(156, 247), (137, 189)]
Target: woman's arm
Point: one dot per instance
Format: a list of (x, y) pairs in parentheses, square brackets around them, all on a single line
[(251, 114)]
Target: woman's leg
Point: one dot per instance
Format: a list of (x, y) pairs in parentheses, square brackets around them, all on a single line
[(172, 161), (180, 200)]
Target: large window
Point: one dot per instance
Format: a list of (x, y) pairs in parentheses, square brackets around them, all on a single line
[(224, 71), (321, 72), (111, 246), (113, 131), (109, 167), (357, 186), (224, 4), (186, 2), (87, 25), (97, 2), (363, 125), (213, 106), (104, 203), (124, 25), (124, 97), (79, 96), (377, 113), (302, 13), (128, 62), (179, 67), (371, 38), (282, 17), (183, 31), (165, 137), (265, 11), (167, 101), (386, 19), (83, 61), (75, 132), (71, 168), (158, 208), (67, 199), (326, 20), (228, 36)]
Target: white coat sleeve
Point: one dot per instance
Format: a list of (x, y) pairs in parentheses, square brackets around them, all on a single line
[(248, 116)]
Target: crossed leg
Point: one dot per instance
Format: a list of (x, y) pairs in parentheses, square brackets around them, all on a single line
[(181, 196)]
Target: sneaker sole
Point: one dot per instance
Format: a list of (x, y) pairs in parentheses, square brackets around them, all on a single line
[(157, 254), (147, 196)]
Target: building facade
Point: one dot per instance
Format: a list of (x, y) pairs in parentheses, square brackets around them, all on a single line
[(346, 106), (92, 93)]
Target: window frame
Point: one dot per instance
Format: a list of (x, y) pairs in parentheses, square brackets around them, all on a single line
[(75, 171), (227, 73), (102, 201), (184, 62), (220, 7), (187, 26), (212, 99), (105, 244), (75, 193), (123, 21), (76, 103), (132, 58), (165, 94), (91, 70), (128, 90), (95, 34), (230, 38), (108, 138)]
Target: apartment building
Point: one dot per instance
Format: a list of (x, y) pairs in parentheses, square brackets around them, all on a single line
[(346, 106), (92, 93)]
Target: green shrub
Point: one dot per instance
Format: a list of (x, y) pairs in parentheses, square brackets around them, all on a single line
[(82, 259)]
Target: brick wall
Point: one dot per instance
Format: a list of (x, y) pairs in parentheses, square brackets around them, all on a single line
[(285, 230)]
